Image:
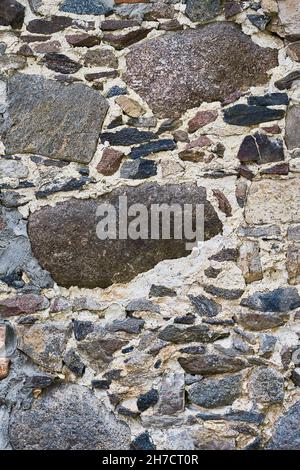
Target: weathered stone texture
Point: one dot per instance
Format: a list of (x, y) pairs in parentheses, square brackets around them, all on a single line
[(154, 66), (66, 127), (68, 417), (86, 260)]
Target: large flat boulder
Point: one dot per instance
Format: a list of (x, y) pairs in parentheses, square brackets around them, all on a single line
[(52, 119), (212, 62), (65, 241), (67, 417)]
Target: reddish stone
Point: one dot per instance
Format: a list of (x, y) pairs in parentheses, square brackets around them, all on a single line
[(83, 40), (98, 75), (201, 119), (275, 129), (280, 169), (246, 173), (110, 161), (44, 48), (224, 204), (4, 367), (120, 41), (26, 303), (202, 141), (101, 58), (232, 98)]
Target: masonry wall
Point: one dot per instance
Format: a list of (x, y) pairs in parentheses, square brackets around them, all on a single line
[(141, 344)]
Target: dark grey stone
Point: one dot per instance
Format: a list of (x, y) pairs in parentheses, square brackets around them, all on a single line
[(68, 417), (207, 61), (82, 329), (48, 126), (74, 363), (199, 333), (286, 434), (138, 169), (282, 299), (60, 63), (86, 7), (152, 147), (260, 21), (147, 400), (56, 186), (161, 291), (203, 10), (116, 91), (143, 442), (205, 306), (127, 136), (229, 294), (271, 99), (129, 325), (11, 14), (210, 364), (49, 26), (142, 305), (266, 385), (257, 321), (287, 82), (212, 393), (245, 115)]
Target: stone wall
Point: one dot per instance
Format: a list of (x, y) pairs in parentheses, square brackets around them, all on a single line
[(140, 344)]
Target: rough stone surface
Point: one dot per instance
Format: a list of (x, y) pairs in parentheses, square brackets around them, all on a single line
[(153, 67), (52, 423), (48, 127), (278, 300), (289, 16), (267, 385), (93, 266), (210, 364), (204, 10), (212, 393), (286, 435)]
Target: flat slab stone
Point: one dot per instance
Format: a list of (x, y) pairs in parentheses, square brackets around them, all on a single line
[(67, 417), (273, 201), (212, 61), (52, 119), (87, 261)]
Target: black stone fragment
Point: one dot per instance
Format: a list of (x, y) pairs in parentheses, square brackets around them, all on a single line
[(244, 115), (60, 63), (139, 169), (142, 442), (271, 99), (82, 329), (152, 147), (127, 136), (147, 400)]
